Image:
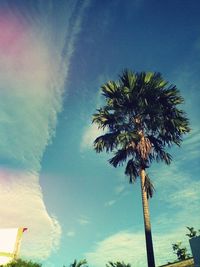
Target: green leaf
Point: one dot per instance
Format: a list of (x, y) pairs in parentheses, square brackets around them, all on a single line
[(148, 76)]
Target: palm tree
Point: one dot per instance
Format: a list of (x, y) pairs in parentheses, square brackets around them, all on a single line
[(141, 120)]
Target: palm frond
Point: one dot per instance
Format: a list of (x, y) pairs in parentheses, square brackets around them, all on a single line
[(112, 140), (128, 79), (132, 170), (149, 187), (128, 139), (106, 142), (159, 153), (111, 90), (104, 118), (117, 264), (121, 155)]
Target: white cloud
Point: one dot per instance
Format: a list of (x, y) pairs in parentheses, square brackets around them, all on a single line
[(122, 246), (192, 139), (27, 110), (191, 144), (24, 207), (32, 77), (110, 203), (178, 189), (187, 195), (89, 135), (119, 189), (71, 234), (176, 186), (33, 70), (130, 248), (83, 220)]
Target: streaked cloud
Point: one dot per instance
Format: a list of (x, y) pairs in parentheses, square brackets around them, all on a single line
[(110, 203), (176, 186), (192, 139), (119, 189), (83, 220), (32, 77), (191, 144), (187, 195), (178, 189), (130, 247), (71, 234), (25, 208), (34, 59), (122, 246)]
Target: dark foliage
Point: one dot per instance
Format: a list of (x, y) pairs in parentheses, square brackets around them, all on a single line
[(142, 118)]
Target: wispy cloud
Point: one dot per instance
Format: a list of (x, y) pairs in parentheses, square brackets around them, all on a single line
[(191, 144), (188, 195), (71, 233), (130, 248), (119, 189), (83, 220), (122, 246), (35, 55), (192, 139), (110, 203), (177, 187), (33, 73)]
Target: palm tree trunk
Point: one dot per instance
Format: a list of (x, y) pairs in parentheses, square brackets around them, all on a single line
[(147, 224)]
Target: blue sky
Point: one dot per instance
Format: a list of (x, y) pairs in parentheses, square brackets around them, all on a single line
[(54, 56)]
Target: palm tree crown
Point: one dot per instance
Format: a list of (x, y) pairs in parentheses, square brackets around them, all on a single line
[(141, 119)]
